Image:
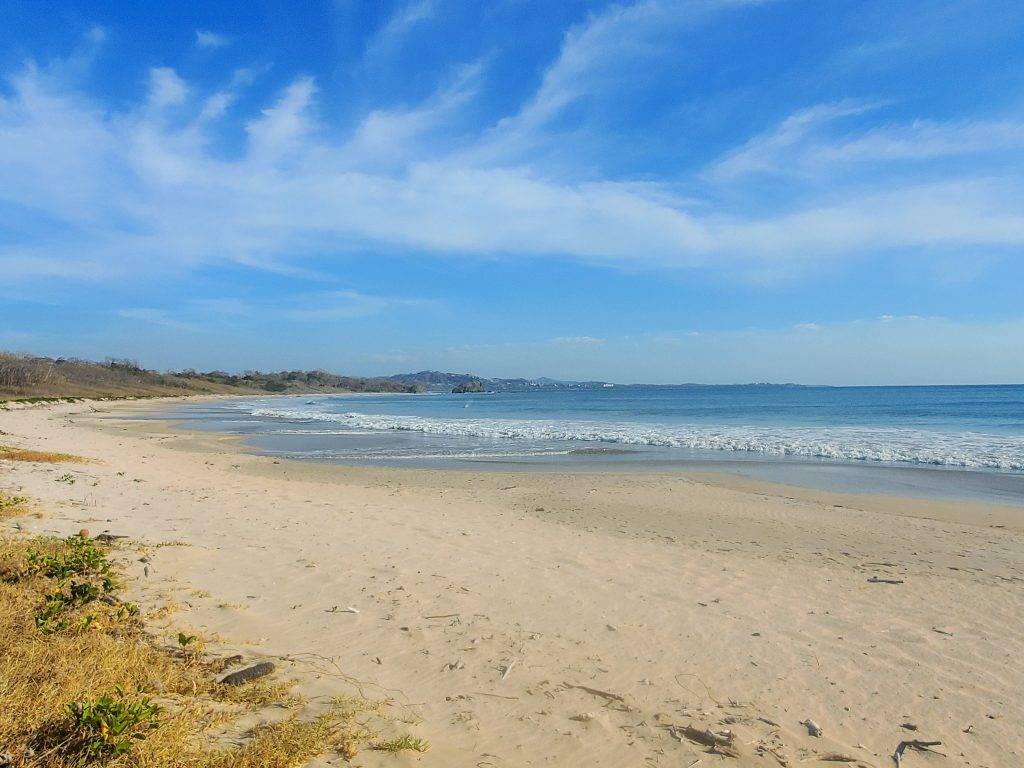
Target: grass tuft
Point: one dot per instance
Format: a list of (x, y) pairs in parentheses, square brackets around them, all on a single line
[(403, 743), (7, 453), (12, 505)]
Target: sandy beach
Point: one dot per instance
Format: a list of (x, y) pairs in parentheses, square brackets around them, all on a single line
[(545, 619)]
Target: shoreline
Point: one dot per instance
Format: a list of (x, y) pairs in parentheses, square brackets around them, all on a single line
[(704, 600), (948, 510), (920, 484)]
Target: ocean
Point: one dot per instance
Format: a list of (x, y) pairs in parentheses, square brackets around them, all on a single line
[(940, 441)]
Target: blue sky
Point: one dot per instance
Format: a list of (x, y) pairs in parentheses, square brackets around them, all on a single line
[(711, 190)]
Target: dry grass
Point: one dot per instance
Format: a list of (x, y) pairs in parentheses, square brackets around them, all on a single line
[(23, 454), (95, 656)]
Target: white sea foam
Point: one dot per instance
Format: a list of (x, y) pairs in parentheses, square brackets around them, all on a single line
[(877, 444)]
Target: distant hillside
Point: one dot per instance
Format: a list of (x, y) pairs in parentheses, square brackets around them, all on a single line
[(27, 377), (446, 382)]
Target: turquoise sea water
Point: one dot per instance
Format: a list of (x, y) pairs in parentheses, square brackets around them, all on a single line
[(836, 437)]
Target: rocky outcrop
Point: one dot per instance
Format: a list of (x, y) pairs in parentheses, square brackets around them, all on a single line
[(475, 385)]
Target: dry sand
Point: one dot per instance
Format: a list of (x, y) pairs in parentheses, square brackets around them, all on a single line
[(569, 620)]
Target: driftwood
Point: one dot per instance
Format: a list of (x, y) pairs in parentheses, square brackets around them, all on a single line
[(717, 743), (598, 692), (262, 669), (876, 580), (705, 736), (924, 746)]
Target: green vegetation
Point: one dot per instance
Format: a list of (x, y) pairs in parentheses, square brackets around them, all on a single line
[(403, 743), (33, 379), (11, 505), (79, 557), (107, 727)]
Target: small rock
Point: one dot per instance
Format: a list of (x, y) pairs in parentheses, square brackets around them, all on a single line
[(812, 727)]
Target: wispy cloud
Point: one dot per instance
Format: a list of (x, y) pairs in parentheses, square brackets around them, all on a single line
[(159, 317), (604, 53), (398, 26), (771, 151), (578, 341), (803, 144), (207, 39), (345, 305), (108, 192), (319, 308)]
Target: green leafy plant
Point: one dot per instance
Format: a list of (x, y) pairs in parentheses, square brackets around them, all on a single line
[(84, 575), (107, 727), (47, 618), (67, 477), (80, 558), (185, 640), (52, 617)]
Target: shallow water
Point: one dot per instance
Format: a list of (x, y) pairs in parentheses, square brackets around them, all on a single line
[(947, 442)]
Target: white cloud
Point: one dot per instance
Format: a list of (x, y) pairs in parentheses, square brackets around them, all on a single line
[(159, 317), (577, 341), (166, 89), (769, 152), (398, 26), (923, 140), (609, 50), (802, 144), (394, 136), (281, 128), (345, 305), (319, 307), (207, 39), (118, 194)]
